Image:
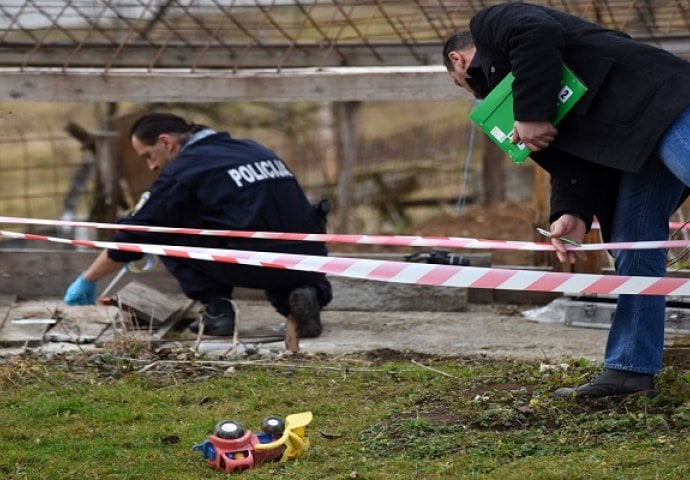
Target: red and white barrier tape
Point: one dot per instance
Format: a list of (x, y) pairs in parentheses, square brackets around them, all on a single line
[(389, 240), (402, 272), (671, 225)]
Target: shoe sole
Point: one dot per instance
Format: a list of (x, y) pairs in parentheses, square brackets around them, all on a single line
[(617, 398), (305, 308)]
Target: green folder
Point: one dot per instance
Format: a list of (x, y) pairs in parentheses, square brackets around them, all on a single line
[(494, 114)]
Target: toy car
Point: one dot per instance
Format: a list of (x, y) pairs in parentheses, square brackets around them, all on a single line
[(230, 448)]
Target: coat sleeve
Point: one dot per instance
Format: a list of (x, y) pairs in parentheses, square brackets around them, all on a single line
[(566, 201), (580, 188), (532, 42), (168, 203)]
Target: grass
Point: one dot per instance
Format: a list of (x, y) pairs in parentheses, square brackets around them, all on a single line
[(383, 415)]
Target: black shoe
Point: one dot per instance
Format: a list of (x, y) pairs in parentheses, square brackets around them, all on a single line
[(612, 384), (219, 318), (305, 307)]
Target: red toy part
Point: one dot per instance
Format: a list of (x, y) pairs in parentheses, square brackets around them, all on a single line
[(240, 453)]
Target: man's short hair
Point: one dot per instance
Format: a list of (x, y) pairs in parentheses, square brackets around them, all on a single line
[(457, 41)]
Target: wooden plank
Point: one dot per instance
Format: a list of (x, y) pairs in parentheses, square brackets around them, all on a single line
[(493, 172), (227, 56), (291, 335), (185, 311), (347, 114), (147, 304), (328, 84)]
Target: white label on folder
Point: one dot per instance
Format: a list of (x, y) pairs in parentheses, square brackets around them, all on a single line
[(565, 94), (520, 145), (498, 134)]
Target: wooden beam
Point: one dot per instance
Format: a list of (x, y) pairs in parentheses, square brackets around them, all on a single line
[(226, 57), (348, 128), (493, 172), (332, 84)]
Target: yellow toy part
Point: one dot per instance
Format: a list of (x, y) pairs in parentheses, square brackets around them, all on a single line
[(294, 436)]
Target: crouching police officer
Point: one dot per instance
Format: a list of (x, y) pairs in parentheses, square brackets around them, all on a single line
[(209, 180)]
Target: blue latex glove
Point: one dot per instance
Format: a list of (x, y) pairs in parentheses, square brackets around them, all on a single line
[(81, 292)]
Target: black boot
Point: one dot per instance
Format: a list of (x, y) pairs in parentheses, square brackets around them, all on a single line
[(612, 384), (218, 317), (305, 307)]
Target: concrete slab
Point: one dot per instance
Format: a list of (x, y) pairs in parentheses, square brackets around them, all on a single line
[(32, 323), (491, 331), (25, 324), (367, 295), (82, 324)]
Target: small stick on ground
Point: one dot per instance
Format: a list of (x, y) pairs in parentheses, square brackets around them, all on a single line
[(236, 331), (200, 334), (433, 369), (291, 334)]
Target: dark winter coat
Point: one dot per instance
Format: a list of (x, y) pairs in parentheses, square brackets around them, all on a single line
[(634, 92)]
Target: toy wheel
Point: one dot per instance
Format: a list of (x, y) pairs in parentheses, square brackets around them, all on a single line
[(273, 425), (228, 429)]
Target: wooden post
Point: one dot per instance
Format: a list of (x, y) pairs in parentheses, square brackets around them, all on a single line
[(328, 141), (493, 172), (593, 260), (291, 334), (542, 193), (135, 176), (107, 190), (348, 116), (287, 148)]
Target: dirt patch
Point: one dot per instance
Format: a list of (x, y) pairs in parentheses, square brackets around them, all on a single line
[(504, 221)]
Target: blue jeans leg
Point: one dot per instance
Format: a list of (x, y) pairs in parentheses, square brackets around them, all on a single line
[(674, 147), (646, 201)]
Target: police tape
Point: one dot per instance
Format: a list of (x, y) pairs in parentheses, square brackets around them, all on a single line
[(671, 225), (403, 272), (387, 240)]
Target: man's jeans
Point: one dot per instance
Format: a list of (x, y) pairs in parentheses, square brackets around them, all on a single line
[(646, 201)]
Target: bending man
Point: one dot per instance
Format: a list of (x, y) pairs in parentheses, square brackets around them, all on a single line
[(622, 154), (210, 180)]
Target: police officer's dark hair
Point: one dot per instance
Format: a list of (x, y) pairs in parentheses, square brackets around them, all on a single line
[(150, 126), (457, 41)]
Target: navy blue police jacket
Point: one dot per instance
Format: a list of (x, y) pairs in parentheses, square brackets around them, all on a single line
[(220, 182)]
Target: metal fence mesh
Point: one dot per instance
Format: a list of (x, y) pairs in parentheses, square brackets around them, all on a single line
[(200, 34)]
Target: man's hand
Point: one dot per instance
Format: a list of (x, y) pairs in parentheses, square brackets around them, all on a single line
[(535, 135), (573, 228), (81, 292)]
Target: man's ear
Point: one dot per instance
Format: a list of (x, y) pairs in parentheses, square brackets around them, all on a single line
[(456, 59), (168, 141)]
